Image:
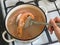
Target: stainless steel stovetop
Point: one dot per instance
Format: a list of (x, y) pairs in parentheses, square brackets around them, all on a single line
[(53, 10)]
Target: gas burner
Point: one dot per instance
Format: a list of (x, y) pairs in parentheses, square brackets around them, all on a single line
[(19, 3), (52, 0)]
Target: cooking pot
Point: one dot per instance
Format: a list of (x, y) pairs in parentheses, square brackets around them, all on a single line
[(13, 14)]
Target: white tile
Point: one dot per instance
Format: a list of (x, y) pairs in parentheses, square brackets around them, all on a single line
[(59, 10), (9, 9), (52, 15), (11, 3), (53, 36), (58, 3), (17, 42), (48, 5), (55, 43), (43, 39)]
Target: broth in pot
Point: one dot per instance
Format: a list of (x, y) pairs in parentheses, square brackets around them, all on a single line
[(19, 25)]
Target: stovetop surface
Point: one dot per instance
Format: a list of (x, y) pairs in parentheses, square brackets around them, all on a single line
[(53, 10)]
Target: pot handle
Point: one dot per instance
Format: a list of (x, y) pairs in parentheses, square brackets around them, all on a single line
[(3, 35)]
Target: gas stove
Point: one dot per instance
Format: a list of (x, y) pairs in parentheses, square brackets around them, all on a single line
[(53, 10)]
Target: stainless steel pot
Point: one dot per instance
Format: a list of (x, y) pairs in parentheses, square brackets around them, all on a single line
[(14, 9)]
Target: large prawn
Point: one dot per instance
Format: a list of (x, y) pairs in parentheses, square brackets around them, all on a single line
[(22, 20)]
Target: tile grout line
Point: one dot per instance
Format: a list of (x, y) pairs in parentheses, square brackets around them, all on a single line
[(57, 8), (48, 36)]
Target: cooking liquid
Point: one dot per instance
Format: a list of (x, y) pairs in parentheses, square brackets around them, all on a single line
[(30, 32)]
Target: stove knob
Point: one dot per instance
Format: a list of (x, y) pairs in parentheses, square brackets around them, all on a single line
[(52, 0)]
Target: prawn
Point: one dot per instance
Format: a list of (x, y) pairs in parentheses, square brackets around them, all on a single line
[(22, 21)]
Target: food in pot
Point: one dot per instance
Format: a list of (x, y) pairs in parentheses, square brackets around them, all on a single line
[(20, 28), (22, 20)]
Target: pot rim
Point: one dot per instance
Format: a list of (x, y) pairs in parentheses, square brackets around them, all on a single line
[(15, 8)]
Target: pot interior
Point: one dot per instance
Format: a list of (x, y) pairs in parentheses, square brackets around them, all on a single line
[(29, 32)]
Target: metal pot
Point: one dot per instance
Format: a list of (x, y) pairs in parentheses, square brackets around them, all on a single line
[(42, 9)]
